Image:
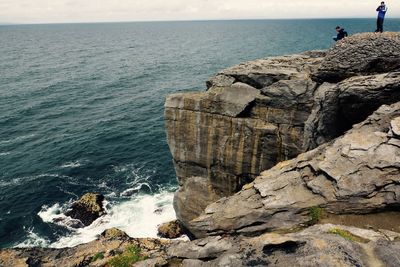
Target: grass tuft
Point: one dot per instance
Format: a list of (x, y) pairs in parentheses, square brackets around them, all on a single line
[(348, 236), (131, 255), (97, 256), (316, 214)]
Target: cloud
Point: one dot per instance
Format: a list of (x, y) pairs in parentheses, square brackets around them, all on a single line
[(40, 11)]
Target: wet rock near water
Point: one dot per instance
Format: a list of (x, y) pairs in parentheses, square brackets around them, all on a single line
[(87, 209)]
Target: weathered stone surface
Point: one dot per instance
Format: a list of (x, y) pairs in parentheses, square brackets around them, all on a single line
[(109, 245), (320, 245), (339, 106), (114, 233), (357, 173), (223, 138), (259, 113), (87, 209), (315, 246), (361, 54), (171, 230), (264, 72), (395, 126)]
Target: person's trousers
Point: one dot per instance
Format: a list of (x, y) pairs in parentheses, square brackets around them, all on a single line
[(379, 25)]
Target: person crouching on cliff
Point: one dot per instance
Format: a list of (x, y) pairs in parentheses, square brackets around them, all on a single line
[(341, 33), (382, 9)]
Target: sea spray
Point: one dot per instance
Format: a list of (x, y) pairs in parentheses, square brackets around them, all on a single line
[(138, 216)]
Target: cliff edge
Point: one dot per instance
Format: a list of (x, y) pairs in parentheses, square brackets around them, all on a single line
[(284, 161), (257, 114)]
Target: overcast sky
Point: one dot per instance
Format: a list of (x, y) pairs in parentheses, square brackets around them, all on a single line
[(49, 11)]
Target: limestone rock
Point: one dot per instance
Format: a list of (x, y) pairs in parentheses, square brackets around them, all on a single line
[(251, 117), (395, 126), (114, 233), (361, 54), (259, 113), (339, 106), (87, 209), (320, 245), (357, 173), (171, 230)]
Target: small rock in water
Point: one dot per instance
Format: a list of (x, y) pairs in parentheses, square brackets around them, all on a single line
[(158, 211), (87, 209)]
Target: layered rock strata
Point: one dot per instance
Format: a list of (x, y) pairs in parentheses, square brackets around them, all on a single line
[(257, 114), (357, 173)]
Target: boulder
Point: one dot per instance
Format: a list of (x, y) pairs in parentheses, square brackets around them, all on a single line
[(114, 233), (87, 209), (357, 173), (360, 54), (171, 230)]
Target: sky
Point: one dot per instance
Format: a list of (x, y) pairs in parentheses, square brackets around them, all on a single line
[(60, 11)]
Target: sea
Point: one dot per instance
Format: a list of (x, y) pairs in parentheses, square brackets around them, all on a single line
[(81, 110)]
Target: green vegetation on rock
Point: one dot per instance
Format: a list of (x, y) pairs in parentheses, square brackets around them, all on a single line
[(131, 255), (348, 236), (98, 256), (316, 214)]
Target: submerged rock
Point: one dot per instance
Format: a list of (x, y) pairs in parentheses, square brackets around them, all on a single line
[(87, 209)]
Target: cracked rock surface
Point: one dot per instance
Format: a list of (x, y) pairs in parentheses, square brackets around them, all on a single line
[(357, 173), (259, 113)]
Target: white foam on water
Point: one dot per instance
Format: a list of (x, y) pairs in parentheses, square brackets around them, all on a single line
[(74, 164), (33, 240), (138, 217), (16, 139), (20, 180), (2, 154)]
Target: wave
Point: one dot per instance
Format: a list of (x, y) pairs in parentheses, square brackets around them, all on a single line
[(33, 240), (138, 217), (20, 180), (2, 154), (73, 164), (16, 139)]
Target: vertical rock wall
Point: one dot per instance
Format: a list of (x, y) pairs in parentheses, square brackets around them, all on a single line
[(262, 112)]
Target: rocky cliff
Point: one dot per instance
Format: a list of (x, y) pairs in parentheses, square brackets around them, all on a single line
[(257, 114), (284, 161)]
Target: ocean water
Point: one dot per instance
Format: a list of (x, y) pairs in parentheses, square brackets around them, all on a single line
[(81, 110)]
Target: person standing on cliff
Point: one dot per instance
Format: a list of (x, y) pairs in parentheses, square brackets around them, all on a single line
[(382, 9), (341, 33)]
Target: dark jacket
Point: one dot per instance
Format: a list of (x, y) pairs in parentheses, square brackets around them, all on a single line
[(381, 12), (341, 34)]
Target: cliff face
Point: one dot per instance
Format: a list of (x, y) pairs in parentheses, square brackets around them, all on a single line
[(317, 135), (262, 112)]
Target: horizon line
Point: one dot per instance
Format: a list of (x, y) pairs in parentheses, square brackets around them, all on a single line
[(183, 20)]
